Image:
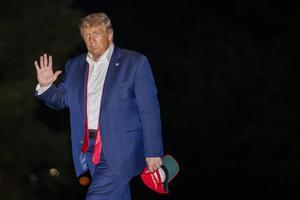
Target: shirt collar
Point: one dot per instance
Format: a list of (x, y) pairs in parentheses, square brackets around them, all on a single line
[(104, 57)]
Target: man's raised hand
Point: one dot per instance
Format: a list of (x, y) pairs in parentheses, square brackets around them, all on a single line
[(45, 75)]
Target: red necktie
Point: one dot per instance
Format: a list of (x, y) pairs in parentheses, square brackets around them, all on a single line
[(97, 148), (98, 143)]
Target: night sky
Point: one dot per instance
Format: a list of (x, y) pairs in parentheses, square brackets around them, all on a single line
[(227, 78)]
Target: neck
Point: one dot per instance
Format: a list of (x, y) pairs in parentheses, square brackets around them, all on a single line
[(94, 58)]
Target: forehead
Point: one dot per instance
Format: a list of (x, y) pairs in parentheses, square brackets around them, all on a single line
[(98, 28)]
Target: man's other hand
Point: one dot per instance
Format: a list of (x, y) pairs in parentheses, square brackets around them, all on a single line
[(153, 163)]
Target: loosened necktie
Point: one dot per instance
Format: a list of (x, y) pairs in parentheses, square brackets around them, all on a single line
[(98, 143)]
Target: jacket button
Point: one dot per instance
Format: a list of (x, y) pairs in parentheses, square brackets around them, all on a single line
[(81, 141)]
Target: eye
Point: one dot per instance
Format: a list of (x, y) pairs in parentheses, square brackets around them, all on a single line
[(86, 35)]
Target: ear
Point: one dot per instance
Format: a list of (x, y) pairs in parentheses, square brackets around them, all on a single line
[(110, 36)]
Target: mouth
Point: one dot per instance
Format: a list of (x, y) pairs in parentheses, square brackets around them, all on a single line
[(93, 47)]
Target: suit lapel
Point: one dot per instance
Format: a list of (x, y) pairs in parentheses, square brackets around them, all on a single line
[(83, 75), (110, 78)]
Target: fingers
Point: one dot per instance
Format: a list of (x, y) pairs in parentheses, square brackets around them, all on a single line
[(154, 163), (153, 168), (57, 73), (50, 61), (41, 62), (44, 62), (36, 64)]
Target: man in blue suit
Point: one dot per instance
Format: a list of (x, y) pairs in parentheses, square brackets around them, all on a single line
[(114, 110)]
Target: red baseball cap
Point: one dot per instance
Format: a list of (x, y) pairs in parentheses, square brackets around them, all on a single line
[(159, 179)]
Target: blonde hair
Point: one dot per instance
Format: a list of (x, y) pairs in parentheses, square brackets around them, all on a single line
[(95, 19)]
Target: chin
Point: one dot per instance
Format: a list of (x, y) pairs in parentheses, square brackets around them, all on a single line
[(96, 55)]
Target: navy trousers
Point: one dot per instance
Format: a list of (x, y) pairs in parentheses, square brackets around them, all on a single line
[(105, 185)]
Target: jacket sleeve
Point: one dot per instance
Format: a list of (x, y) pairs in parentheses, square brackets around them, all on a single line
[(148, 105)]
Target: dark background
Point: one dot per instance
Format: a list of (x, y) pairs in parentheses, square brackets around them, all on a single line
[(227, 75)]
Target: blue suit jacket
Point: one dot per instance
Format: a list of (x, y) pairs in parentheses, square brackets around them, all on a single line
[(129, 114)]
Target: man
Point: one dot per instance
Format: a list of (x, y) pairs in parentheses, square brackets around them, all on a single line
[(114, 110)]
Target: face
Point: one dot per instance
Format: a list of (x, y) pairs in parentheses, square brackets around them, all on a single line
[(97, 39)]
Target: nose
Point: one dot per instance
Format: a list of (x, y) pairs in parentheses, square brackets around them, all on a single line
[(89, 37), (92, 39)]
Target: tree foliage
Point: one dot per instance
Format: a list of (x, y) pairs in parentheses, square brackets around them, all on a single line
[(29, 144)]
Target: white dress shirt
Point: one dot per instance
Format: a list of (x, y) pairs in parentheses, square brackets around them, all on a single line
[(96, 78), (97, 74)]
